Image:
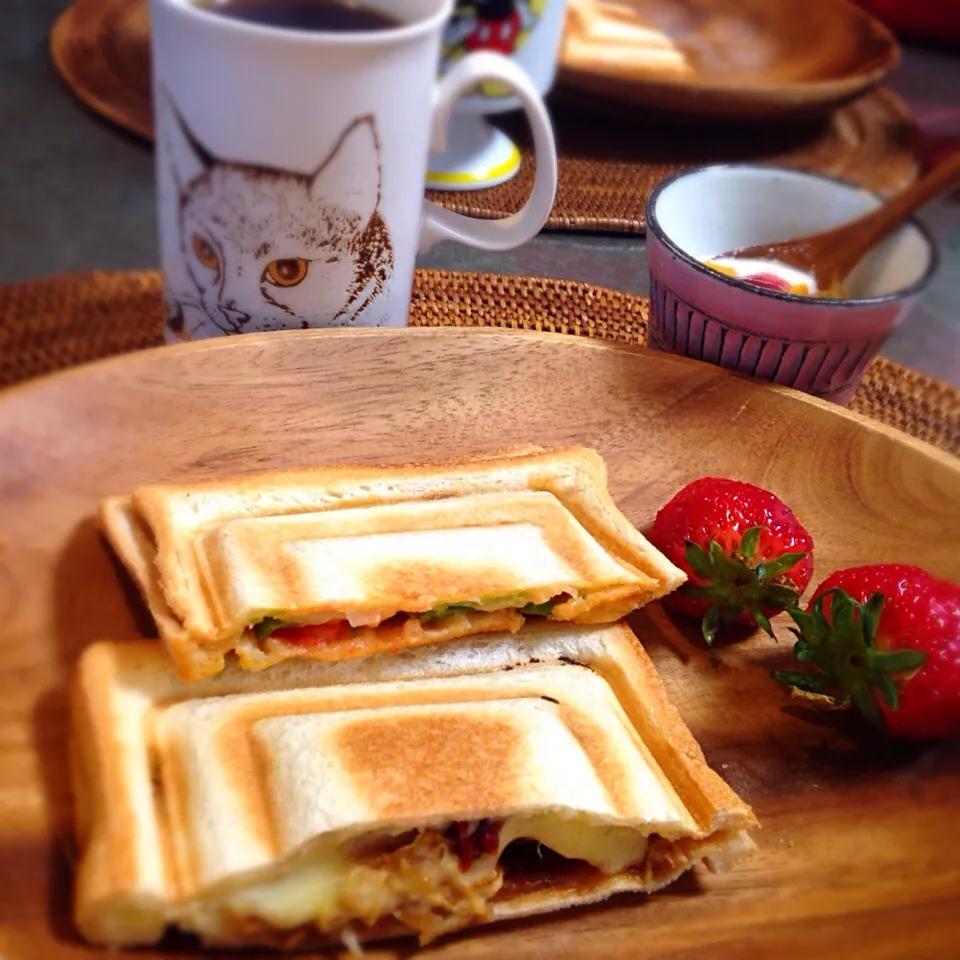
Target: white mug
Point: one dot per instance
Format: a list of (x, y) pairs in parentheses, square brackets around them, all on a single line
[(291, 165)]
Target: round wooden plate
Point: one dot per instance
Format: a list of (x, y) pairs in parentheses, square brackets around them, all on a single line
[(102, 50), (748, 59), (858, 855)]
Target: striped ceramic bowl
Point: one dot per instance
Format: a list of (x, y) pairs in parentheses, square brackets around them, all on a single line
[(817, 345)]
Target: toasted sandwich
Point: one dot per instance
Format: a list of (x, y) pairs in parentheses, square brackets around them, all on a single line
[(610, 37), (343, 562), (410, 794)]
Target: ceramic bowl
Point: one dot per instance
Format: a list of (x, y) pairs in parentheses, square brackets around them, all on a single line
[(818, 345)]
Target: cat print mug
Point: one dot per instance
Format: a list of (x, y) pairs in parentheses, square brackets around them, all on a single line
[(291, 166)]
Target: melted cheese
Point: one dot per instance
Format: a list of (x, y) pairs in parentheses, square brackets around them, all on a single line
[(335, 891), (315, 894), (311, 892), (610, 849), (420, 884)]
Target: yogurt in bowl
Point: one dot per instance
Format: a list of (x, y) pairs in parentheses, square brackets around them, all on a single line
[(703, 305)]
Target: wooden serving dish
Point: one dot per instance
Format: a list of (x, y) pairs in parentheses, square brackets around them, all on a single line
[(743, 59), (858, 854)]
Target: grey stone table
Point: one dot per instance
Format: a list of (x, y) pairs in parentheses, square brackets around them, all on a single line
[(76, 194)]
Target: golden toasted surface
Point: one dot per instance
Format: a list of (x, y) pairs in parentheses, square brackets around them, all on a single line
[(611, 34), (408, 557), (437, 760), (198, 550), (216, 786)]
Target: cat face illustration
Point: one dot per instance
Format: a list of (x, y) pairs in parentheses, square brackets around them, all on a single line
[(268, 249)]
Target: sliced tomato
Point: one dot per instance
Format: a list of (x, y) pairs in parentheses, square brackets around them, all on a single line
[(312, 634)]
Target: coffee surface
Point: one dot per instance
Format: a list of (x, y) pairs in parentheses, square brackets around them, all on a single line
[(330, 16)]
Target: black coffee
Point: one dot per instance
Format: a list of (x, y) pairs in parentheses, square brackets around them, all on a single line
[(331, 16)]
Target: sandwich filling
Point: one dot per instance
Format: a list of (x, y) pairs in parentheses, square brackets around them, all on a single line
[(343, 636), (356, 581), (435, 881), (348, 805)]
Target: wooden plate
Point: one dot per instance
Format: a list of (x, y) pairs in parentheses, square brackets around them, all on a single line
[(102, 50), (747, 59), (859, 853)]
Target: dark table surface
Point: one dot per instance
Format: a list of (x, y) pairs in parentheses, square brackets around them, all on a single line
[(77, 194)]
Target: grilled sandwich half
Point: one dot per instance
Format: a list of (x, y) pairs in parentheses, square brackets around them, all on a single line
[(410, 794), (610, 37), (343, 562)]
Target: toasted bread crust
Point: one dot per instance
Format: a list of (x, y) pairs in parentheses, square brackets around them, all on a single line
[(155, 529), (603, 37), (123, 690)]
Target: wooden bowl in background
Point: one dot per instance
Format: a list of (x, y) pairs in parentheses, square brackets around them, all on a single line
[(746, 59)]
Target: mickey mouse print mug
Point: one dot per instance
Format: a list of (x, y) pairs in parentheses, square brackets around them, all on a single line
[(291, 166)]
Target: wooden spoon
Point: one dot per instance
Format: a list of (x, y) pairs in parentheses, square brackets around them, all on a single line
[(832, 255)]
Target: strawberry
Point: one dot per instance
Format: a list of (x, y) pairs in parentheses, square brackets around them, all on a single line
[(745, 553), (886, 639), (769, 281)]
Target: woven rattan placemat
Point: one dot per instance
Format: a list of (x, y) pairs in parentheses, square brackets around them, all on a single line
[(48, 325), (609, 164)]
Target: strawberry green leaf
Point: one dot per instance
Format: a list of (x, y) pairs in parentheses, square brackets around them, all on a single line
[(816, 609), (749, 542), (699, 592), (870, 612), (732, 586), (710, 624), (803, 680), (899, 661), (717, 555), (780, 596), (726, 566), (841, 613), (780, 565), (762, 621), (841, 648), (697, 557), (803, 651), (807, 623), (889, 690), (864, 701)]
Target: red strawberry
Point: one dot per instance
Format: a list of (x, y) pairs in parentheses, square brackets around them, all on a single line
[(745, 553), (885, 638), (769, 281)]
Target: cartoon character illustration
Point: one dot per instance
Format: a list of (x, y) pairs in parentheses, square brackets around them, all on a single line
[(269, 249), (498, 25), (501, 26)]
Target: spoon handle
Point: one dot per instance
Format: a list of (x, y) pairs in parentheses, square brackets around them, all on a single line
[(848, 246)]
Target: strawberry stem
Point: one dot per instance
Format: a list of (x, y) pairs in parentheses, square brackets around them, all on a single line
[(733, 584), (841, 649)]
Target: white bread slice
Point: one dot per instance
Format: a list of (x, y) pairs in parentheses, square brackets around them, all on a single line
[(209, 806), (610, 38), (201, 552)]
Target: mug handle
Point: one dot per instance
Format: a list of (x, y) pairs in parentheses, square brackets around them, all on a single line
[(440, 224)]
